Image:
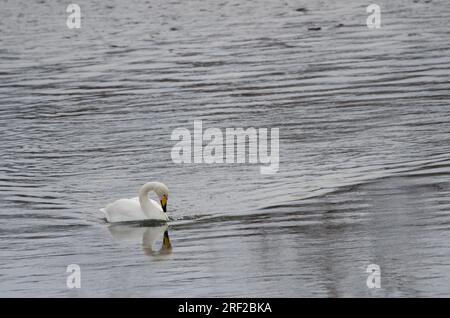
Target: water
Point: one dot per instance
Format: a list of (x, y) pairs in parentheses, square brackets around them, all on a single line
[(86, 117)]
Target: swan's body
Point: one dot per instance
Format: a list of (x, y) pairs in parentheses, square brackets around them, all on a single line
[(139, 208), (124, 210)]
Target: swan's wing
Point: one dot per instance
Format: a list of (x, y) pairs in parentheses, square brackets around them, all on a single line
[(123, 210)]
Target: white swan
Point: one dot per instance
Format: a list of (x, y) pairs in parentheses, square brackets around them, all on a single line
[(140, 208)]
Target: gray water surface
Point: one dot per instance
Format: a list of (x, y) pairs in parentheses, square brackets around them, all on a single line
[(86, 117)]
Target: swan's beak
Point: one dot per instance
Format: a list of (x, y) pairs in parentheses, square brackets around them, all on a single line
[(164, 203)]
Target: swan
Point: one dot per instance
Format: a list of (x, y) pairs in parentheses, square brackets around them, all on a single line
[(140, 208)]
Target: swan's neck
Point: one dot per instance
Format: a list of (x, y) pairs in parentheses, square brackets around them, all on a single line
[(143, 197)]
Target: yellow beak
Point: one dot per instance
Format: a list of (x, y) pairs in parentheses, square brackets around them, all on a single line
[(164, 203)]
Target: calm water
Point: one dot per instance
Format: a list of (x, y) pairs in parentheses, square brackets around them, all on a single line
[(86, 117)]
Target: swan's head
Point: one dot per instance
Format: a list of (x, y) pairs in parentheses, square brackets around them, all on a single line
[(159, 188), (162, 192)]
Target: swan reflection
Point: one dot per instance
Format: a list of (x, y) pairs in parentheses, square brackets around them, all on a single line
[(146, 236)]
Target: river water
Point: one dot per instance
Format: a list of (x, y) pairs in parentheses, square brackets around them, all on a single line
[(86, 117)]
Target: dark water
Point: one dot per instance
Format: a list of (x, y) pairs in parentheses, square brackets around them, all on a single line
[(86, 117)]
